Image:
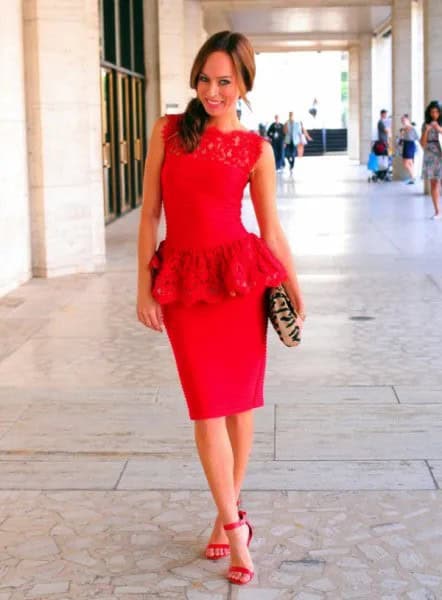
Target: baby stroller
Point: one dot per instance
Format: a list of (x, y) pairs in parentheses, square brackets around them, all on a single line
[(379, 163)]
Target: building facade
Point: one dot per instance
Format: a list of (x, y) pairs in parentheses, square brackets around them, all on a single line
[(84, 80)]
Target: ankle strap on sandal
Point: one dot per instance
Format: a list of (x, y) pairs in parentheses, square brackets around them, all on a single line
[(236, 523)]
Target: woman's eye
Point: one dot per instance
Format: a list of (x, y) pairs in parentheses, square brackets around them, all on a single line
[(224, 82), (202, 78)]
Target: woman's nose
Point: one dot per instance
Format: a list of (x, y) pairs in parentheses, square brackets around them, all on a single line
[(213, 89)]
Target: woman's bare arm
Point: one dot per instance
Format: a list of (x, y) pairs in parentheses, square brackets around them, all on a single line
[(424, 137), (263, 193), (306, 133), (148, 310)]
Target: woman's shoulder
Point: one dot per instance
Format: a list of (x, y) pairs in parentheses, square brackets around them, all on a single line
[(168, 124)]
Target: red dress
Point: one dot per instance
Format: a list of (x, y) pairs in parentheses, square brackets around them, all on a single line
[(210, 273)]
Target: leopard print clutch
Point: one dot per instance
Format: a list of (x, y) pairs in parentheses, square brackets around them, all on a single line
[(283, 316)]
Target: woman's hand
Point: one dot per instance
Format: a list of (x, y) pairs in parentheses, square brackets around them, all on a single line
[(149, 311), (302, 314)]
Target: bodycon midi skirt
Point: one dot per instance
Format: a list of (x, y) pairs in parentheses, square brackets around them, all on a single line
[(220, 353)]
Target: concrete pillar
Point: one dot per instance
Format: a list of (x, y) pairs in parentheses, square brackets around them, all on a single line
[(402, 50), (433, 50), (152, 63), (381, 76), (402, 70), (417, 63), (62, 72), (365, 97), (174, 89), (407, 68), (170, 49), (15, 248), (195, 33), (353, 103)]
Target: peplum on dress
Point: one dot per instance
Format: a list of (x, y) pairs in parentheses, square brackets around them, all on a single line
[(210, 274)]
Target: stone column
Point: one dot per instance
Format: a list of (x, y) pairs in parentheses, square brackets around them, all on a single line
[(353, 103), (152, 63), (433, 50), (382, 76), (402, 49), (406, 68), (195, 33), (170, 48), (365, 97), (417, 63), (15, 247), (62, 70), (174, 90)]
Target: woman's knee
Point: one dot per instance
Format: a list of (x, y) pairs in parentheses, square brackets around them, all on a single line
[(242, 417), (210, 426)]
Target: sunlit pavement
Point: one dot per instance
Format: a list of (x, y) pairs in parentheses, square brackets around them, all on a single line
[(102, 495)]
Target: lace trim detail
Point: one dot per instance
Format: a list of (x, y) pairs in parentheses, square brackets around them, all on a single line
[(213, 274), (233, 148)]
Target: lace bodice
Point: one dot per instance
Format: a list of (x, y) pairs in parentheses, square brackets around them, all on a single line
[(238, 148), (208, 254)]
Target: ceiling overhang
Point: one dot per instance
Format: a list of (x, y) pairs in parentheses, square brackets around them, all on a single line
[(298, 25)]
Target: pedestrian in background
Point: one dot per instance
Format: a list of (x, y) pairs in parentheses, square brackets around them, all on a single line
[(276, 134), (430, 142), (409, 137), (291, 136), (384, 127), (305, 139)]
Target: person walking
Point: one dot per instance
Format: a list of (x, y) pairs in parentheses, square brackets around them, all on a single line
[(296, 137), (206, 282), (384, 128), (276, 134), (408, 138), (292, 133), (304, 139), (432, 163)]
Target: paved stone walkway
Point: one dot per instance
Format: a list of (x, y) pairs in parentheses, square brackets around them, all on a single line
[(101, 495)]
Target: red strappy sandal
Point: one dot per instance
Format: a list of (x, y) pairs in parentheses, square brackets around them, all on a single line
[(225, 547), (242, 570)]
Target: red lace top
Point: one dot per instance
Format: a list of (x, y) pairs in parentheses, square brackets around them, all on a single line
[(208, 254)]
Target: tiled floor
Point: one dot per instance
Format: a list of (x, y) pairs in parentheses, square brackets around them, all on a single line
[(101, 495)]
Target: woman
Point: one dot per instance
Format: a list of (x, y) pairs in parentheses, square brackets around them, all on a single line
[(296, 137), (276, 134), (304, 139), (432, 165), (408, 139), (210, 274)]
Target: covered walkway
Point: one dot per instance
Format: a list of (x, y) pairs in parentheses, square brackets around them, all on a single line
[(101, 494)]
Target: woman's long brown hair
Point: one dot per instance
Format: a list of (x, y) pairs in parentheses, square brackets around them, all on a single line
[(240, 50)]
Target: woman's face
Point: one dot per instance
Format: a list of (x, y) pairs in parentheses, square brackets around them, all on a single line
[(217, 86), (434, 114)]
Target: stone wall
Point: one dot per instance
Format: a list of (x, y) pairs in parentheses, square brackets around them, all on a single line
[(15, 252)]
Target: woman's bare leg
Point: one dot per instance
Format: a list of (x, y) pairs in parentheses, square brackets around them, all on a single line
[(300, 149), (435, 195), (216, 454), (409, 166), (240, 430)]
